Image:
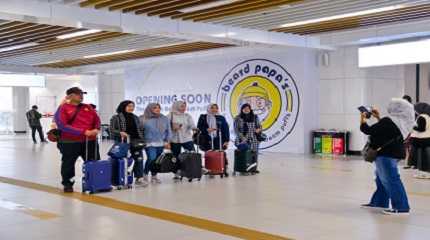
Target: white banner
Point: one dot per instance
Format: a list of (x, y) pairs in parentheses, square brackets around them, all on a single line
[(270, 84)]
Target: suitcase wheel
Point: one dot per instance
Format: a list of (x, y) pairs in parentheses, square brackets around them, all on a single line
[(198, 179), (119, 187), (222, 175), (130, 186), (190, 180)]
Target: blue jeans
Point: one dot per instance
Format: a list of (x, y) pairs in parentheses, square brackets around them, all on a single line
[(152, 154), (389, 186)]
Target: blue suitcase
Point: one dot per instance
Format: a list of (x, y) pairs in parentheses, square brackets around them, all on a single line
[(97, 176), (122, 172)]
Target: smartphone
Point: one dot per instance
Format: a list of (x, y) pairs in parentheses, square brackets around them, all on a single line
[(365, 110)]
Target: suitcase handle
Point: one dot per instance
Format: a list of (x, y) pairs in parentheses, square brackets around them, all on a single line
[(95, 147), (220, 140)]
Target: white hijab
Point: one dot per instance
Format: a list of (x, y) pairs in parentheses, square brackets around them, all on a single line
[(211, 120), (402, 113)]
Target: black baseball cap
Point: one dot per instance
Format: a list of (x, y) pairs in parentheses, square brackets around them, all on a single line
[(75, 90)]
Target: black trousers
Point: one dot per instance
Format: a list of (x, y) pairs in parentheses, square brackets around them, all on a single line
[(39, 130), (70, 153)]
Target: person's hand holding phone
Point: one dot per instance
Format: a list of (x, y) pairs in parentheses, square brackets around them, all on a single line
[(375, 113)]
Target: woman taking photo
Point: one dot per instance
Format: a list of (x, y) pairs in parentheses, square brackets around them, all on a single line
[(246, 127), (182, 125), (387, 136), (125, 126), (157, 135)]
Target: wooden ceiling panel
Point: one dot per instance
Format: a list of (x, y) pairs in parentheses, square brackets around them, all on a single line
[(173, 8), (43, 37), (153, 52), (393, 16)]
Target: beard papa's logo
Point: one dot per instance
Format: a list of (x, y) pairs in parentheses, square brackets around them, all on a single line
[(271, 92)]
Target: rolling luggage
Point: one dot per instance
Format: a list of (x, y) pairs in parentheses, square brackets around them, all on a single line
[(191, 165), (215, 160), (96, 174), (122, 172), (245, 161), (165, 163)]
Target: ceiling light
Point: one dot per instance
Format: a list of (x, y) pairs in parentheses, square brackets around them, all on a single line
[(394, 54), (30, 44), (346, 15), (223, 35), (208, 5), (109, 54), (78, 34)]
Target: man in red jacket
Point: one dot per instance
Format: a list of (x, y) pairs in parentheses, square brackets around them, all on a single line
[(78, 123)]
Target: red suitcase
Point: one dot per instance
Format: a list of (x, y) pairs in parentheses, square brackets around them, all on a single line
[(215, 160)]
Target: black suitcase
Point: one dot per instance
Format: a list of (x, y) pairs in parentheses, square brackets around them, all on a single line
[(191, 165), (245, 161)]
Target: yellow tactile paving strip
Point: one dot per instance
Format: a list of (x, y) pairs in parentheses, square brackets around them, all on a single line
[(40, 214), (209, 225)]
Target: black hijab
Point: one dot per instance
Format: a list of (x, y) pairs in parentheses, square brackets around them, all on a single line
[(131, 127), (249, 117)]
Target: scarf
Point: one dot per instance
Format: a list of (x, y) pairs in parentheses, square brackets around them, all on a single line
[(211, 121), (247, 117), (149, 114)]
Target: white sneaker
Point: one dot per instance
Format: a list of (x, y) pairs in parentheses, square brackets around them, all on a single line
[(155, 180), (141, 182)]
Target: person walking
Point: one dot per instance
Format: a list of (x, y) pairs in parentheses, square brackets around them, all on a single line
[(182, 125), (388, 135), (79, 125), (33, 118), (125, 126), (157, 135), (247, 127)]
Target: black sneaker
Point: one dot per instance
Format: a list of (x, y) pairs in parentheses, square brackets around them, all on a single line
[(68, 189), (396, 212)]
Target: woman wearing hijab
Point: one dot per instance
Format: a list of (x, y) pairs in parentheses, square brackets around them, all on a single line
[(420, 140), (212, 126), (157, 134), (125, 126), (246, 127), (389, 133), (182, 125)]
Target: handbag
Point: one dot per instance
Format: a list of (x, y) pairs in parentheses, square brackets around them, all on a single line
[(55, 133), (119, 150), (165, 163), (370, 154), (261, 137)]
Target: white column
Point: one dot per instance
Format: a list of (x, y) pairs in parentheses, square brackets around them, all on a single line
[(111, 93), (20, 107)]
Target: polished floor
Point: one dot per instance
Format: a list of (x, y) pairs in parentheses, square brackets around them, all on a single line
[(295, 197)]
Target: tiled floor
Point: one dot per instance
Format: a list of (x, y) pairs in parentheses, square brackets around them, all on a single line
[(295, 196)]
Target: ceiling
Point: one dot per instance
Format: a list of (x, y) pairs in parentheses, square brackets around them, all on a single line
[(34, 44)]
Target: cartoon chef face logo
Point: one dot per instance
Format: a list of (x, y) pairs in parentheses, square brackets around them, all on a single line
[(258, 98), (270, 91)]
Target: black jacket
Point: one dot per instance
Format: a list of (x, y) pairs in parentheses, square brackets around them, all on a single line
[(222, 124), (381, 133)]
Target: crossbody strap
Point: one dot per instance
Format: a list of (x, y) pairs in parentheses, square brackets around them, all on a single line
[(75, 114), (388, 143)]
